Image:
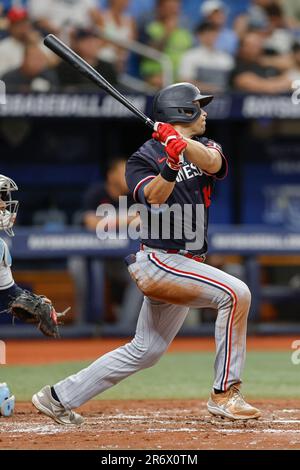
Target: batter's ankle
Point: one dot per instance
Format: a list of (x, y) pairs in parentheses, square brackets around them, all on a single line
[(54, 395)]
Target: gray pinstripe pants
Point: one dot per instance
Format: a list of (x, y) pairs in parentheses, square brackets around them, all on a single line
[(171, 283)]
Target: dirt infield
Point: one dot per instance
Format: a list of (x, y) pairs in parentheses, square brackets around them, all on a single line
[(159, 424), (146, 424), (51, 351)]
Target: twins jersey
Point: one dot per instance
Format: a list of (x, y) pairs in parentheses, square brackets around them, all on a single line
[(186, 211)]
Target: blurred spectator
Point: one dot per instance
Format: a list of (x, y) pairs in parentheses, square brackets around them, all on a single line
[(292, 12), (250, 75), (87, 45), (21, 34), (108, 192), (154, 78), (57, 16), (294, 72), (33, 75), (205, 65), (115, 269), (166, 34), (3, 22), (120, 26), (255, 18), (215, 12), (279, 39)]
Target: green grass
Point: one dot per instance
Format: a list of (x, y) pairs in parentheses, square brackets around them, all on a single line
[(177, 375)]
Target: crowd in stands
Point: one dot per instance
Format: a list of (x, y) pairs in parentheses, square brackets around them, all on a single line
[(244, 46)]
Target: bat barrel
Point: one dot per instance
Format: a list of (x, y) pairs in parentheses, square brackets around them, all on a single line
[(67, 54)]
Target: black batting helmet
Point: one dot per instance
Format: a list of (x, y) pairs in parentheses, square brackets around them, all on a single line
[(171, 104)]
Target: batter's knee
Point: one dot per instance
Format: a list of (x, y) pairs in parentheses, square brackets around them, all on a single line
[(150, 359), (243, 294), (239, 293), (146, 355)]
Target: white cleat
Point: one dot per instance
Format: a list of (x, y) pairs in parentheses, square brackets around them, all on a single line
[(45, 403), (231, 404)]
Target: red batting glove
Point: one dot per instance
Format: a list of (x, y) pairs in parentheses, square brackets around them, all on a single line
[(163, 131), (174, 150)]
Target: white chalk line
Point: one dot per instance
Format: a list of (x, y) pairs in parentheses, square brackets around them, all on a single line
[(205, 424), (259, 431), (285, 421), (55, 429), (169, 430), (165, 419), (35, 429), (290, 410)]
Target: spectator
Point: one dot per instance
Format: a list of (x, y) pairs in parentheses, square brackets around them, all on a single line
[(214, 12), (120, 26), (33, 75), (204, 65), (116, 271), (292, 12), (3, 22), (294, 72), (250, 75), (279, 39), (59, 16), (154, 78), (166, 34), (109, 192), (21, 34), (87, 45), (255, 18)]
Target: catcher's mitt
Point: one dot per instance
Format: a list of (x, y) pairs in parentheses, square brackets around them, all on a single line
[(36, 309)]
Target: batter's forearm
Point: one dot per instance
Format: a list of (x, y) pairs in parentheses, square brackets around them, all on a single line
[(158, 190), (208, 160)]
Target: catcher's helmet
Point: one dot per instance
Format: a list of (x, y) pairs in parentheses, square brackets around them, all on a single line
[(8, 206), (171, 104)]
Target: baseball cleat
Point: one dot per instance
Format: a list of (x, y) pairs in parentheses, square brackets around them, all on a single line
[(231, 404), (45, 403)]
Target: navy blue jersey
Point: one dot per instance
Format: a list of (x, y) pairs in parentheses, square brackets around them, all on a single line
[(192, 194)]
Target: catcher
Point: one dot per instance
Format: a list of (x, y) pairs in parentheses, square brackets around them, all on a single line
[(25, 306), (21, 304)]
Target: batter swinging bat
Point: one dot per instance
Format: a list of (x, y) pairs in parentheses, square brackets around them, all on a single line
[(67, 54)]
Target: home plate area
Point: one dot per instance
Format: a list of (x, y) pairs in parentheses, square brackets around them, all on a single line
[(154, 424)]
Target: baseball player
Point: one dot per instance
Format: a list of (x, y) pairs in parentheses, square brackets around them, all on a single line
[(8, 288), (177, 168), (29, 307), (8, 212)]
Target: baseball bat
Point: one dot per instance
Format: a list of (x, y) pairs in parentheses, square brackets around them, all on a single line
[(67, 54)]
